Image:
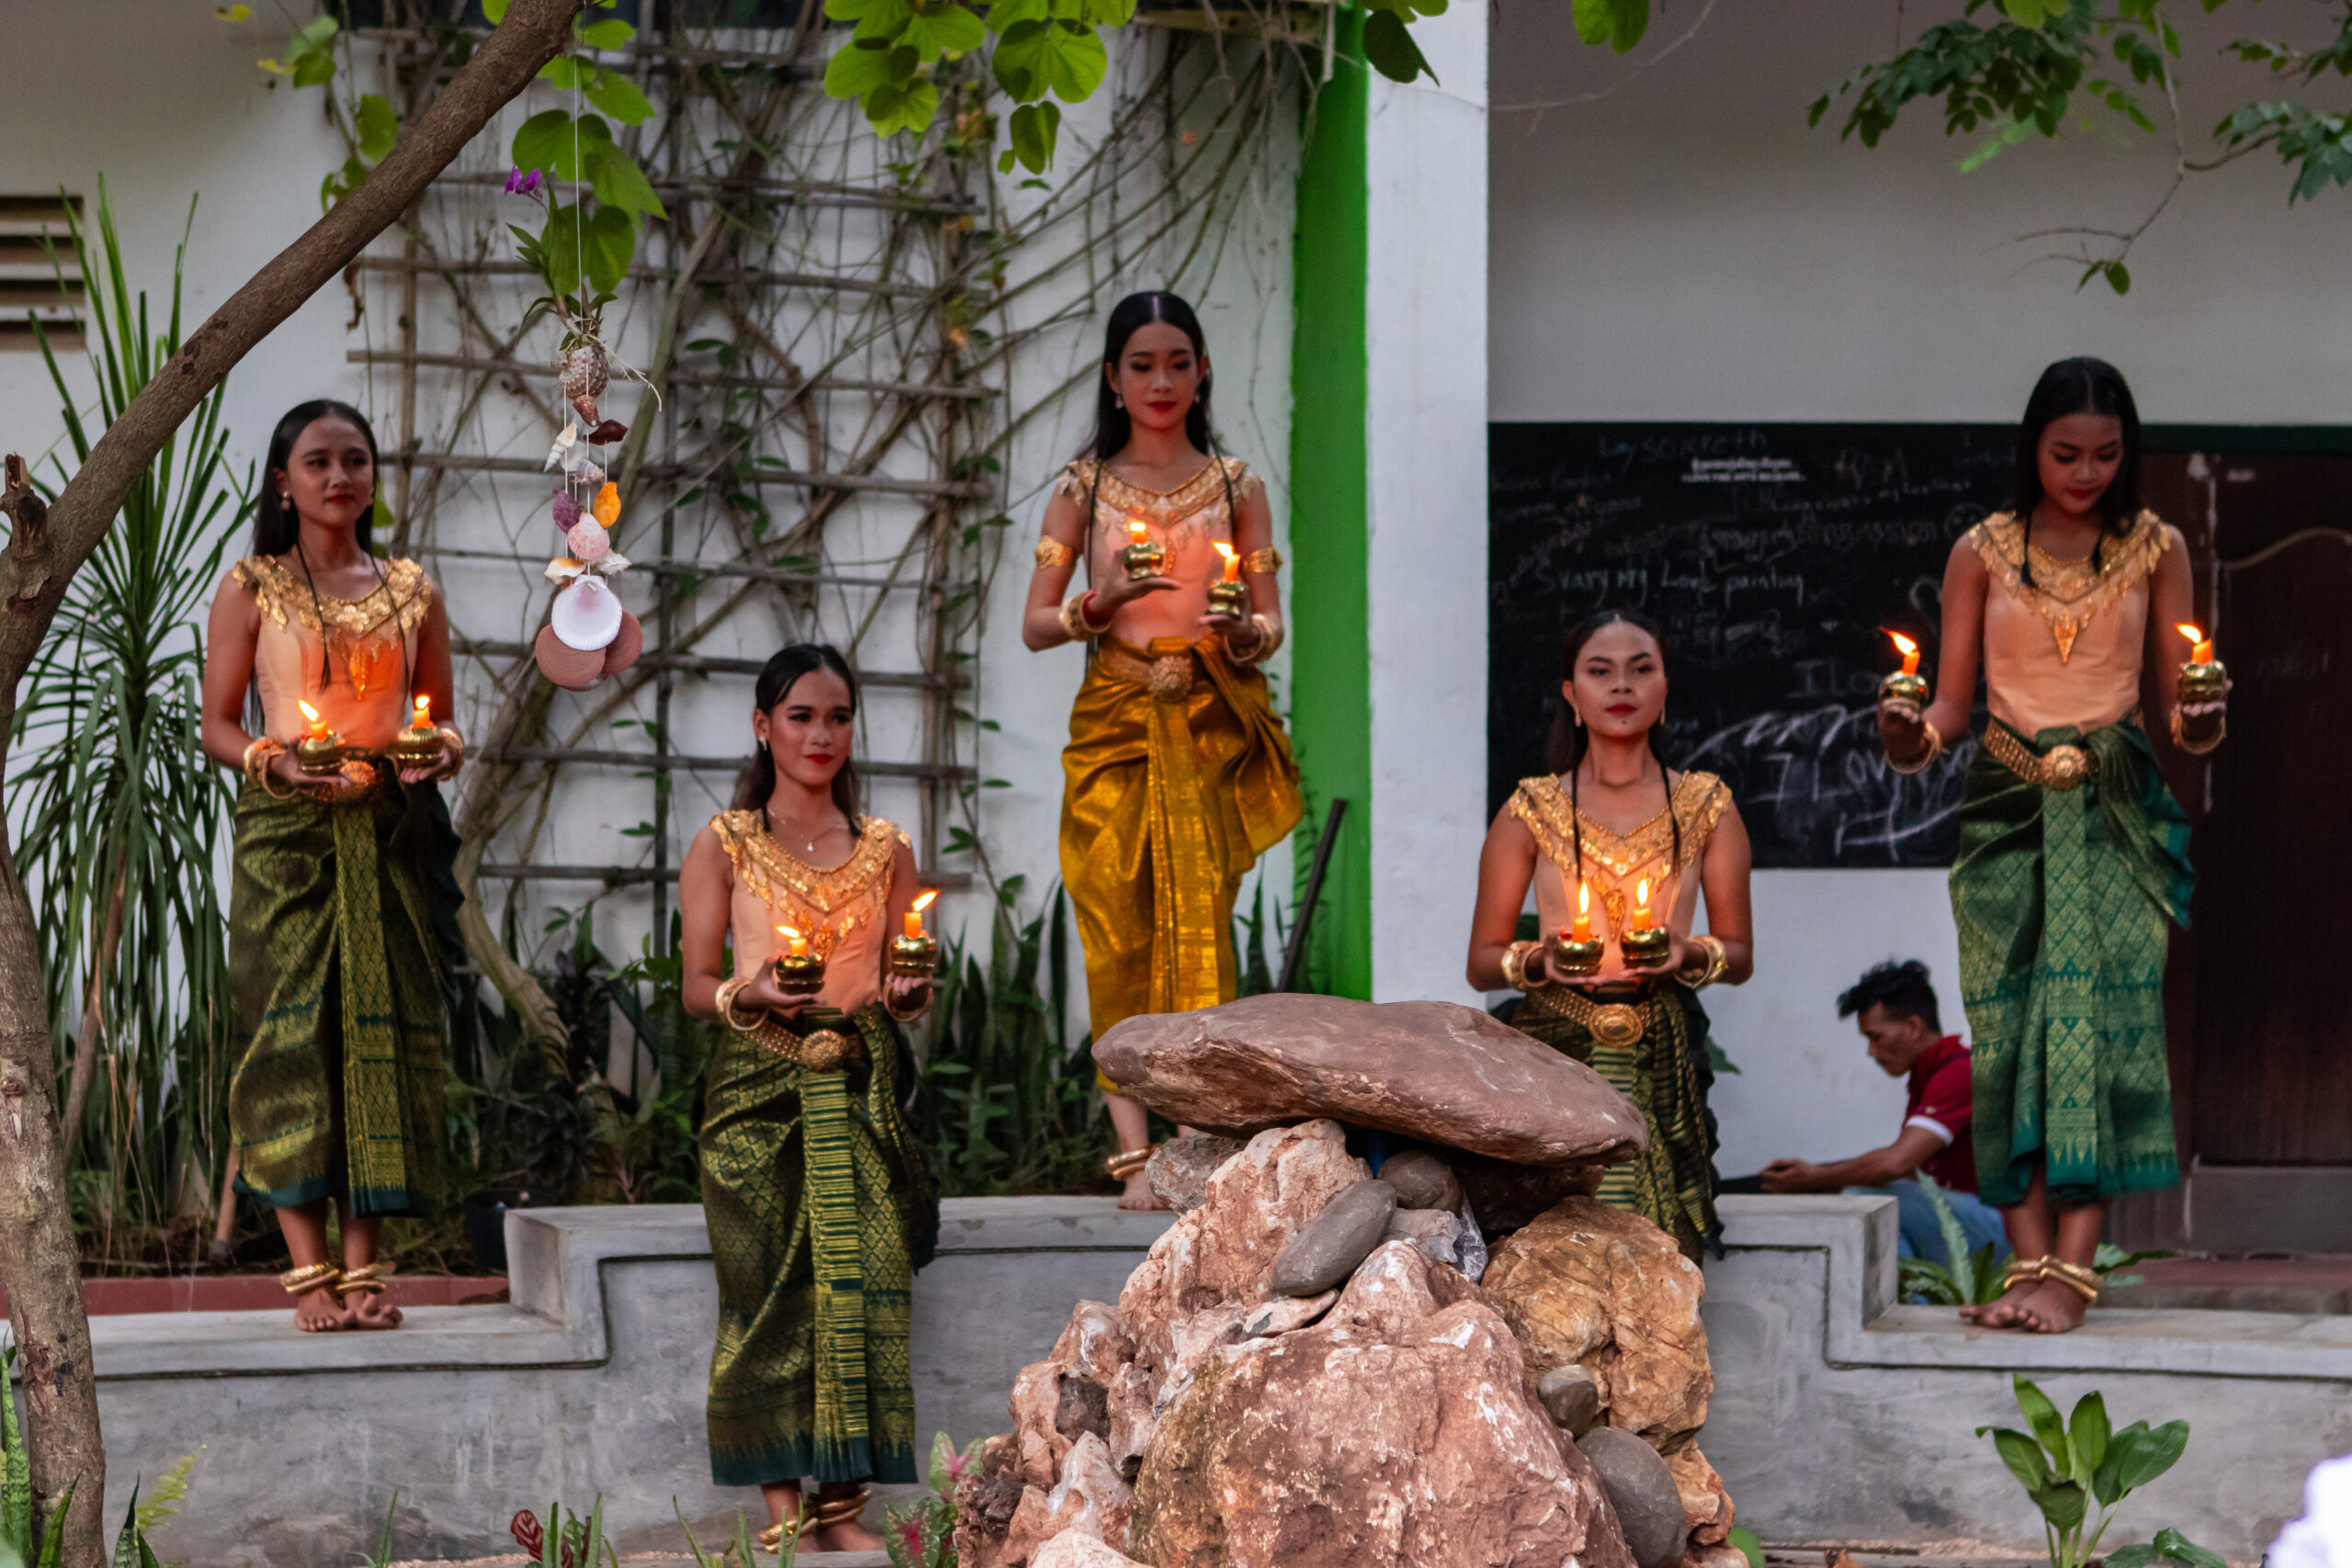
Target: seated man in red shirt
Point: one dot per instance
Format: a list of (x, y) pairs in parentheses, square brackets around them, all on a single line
[(1895, 1006)]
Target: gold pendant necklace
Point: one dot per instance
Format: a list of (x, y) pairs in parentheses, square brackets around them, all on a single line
[(768, 816)]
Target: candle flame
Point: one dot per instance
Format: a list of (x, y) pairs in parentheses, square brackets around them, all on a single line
[(1232, 561), (2192, 632), (925, 900), (1136, 532), (1584, 898), (424, 708), (787, 933), (1642, 892), (1903, 645), (308, 711)]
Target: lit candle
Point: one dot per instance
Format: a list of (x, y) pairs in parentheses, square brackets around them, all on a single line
[(795, 945), (1910, 651), (1232, 561), (1136, 533), (318, 725), (914, 915), (424, 711), (2201, 646), (1642, 905), (1583, 931)]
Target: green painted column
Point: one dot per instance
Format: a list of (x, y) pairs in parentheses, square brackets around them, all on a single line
[(1330, 653)]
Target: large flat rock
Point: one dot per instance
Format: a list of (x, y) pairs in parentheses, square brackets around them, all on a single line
[(1445, 1074)]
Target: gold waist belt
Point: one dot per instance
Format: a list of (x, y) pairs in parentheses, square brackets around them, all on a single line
[(818, 1050), (2061, 767), (1169, 676), (1611, 1023)]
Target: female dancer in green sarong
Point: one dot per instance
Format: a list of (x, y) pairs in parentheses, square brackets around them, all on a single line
[(819, 1206), (2073, 852), (1613, 839), (335, 1095)]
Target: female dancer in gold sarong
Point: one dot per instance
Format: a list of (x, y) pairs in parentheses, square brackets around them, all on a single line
[(1612, 823), (2073, 852), (814, 1188), (1178, 775), (336, 1091)]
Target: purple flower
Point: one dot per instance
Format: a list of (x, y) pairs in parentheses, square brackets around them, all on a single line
[(521, 183)]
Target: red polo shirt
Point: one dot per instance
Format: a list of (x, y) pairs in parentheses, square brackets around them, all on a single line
[(1942, 1101)]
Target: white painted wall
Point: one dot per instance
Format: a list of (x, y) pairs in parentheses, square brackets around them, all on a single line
[(1682, 247), (1425, 432)]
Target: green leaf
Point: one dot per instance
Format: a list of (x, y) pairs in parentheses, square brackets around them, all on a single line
[(1389, 48), (549, 143), (890, 108), (2043, 1418), (378, 128), (2034, 13), (2021, 1454), (2134, 1557), (560, 248), (2119, 277), (494, 11), (1064, 58), (567, 71), (950, 32), (1619, 24), (2149, 1454), (1033, 130), (1005, 13), (2105, 1483), (313, 69), (619, 183), (616, 96), (1749, 1546), (610, 33), (2180, 1549), (2086, 1436), (2062, 1503), (607, 241), (861, 67), (126, 1544)]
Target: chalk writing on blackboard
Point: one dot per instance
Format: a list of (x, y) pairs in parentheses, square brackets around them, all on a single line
[(1774, 555)]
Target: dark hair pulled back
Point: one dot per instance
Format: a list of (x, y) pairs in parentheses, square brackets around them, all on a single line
[(276, 529), (1563, 752), (2082, 384), (777, 678)]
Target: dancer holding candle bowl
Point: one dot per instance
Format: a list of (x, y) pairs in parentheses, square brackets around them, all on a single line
[(2073, 852), (1178, 775), (337, 660), (1611, 841), (813, 1184)]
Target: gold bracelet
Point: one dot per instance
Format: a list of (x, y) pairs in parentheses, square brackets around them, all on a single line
[(1269, 559), (1053, 553), (1935, 749), (1270, 637), (455, 741), (1515, 960), (728, 991), (2221, 733), (1074, 620), (1718, 960), (257, 768)]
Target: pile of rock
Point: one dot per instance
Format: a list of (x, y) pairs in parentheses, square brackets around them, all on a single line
[(1315, 1367)]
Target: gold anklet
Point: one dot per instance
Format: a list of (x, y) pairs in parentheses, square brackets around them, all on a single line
[(1128, 1162), (308, 1277)]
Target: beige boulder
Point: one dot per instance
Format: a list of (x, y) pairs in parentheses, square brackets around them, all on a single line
[(1075, 1550), (1608, 1290), (1706, 1505), (1090, 1500), (1449, 1074)]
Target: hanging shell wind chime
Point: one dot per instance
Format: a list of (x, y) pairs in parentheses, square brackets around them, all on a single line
[(588, 635)]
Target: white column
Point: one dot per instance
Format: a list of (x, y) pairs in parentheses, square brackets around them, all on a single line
[(1425, 312)]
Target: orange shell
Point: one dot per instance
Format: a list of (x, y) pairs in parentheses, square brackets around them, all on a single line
[(607, 509)]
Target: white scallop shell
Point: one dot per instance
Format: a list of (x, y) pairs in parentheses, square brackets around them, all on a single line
[(586, 615)]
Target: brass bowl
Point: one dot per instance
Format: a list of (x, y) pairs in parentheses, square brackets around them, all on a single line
[(802, 976), (321, 754), (1646, 947), (1229, 599), (1901, 688), (1570, 956), (1143, 560), (2205, 683), (916, 955), (418, 746)]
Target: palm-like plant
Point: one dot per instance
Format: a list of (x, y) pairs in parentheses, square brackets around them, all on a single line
[(120, 811)]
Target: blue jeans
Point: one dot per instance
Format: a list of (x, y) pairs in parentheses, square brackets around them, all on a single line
[(1921, 1237)]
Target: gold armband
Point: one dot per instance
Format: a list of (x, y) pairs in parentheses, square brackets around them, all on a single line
[(1270, 637), (1053, 553), (728, 991), (1515, 961), (1268, 559), (1718, 960), (1074, 619), (1935, 749)]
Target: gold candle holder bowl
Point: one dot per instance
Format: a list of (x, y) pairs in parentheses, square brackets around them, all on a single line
[(418, 746), (2206, 682), (915, 956), (1143, 558), (1229, 599), (321, 753), (1902, 688), (1570, 956), (1643, 948), (801, 975)]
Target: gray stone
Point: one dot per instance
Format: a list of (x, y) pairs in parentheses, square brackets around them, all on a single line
[(1180, 1169), (1641, 1488), (1506, 1196), (1423, 1181), (1327, 1249), (1571, 1396), (1433, 1071), (1435, 1232)]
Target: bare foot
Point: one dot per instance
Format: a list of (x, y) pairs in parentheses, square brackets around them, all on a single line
[(846, 1536), (2054, 1309), (319, 1311), (370, 1309), (2009, 1312), (1137, 1195)]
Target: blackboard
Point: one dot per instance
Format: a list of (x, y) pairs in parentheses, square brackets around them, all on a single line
[(1774, 555)]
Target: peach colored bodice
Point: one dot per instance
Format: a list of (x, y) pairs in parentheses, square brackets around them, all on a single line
[(350, 659), (1616, 863), (2066, 649), (1188, 522), (843, 912)]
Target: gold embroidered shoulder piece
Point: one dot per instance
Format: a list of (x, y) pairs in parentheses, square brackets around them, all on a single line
[(2068, 593), (827, 904), (363, 633), (1115, 500), (1699, 801)]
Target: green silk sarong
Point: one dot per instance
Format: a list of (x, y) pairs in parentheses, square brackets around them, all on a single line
[(2060, 897), (1666, 1074), (337, 1083), (820, 1213)]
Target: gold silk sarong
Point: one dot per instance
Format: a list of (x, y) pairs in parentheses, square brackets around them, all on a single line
[(1178, 777)]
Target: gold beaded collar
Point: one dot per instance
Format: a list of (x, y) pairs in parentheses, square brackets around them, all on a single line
[(828, 904), (365, 632), (1699, 801), (2068, 593), (1115, 500)]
